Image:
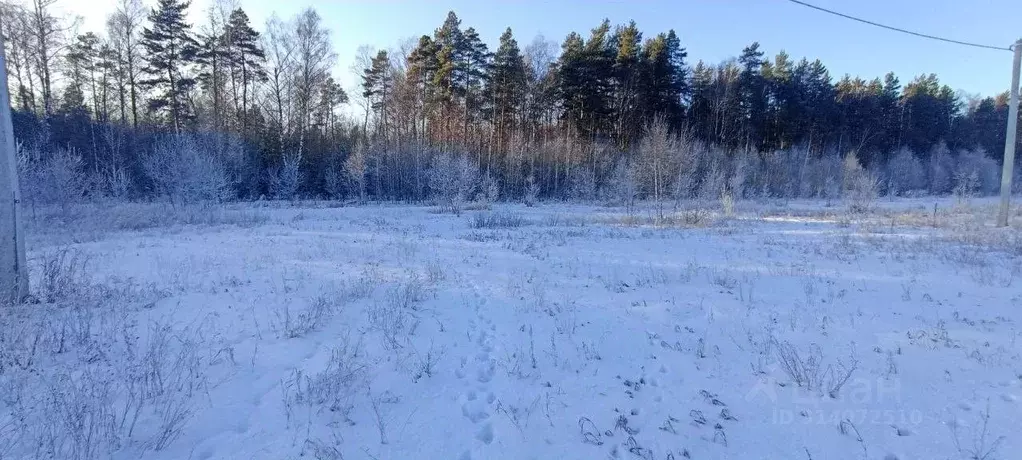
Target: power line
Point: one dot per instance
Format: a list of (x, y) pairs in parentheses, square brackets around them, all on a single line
[(896, 29)]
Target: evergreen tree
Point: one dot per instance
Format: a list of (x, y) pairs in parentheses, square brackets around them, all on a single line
[(473, 70), (505, 88), (377, 83), (752, 86), (246, 60), (423, 65), (628, 74), (170, 49), (448, 86), (584, 81), (665, 79)]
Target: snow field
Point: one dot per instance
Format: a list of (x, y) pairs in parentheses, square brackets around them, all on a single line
[(559, 331)]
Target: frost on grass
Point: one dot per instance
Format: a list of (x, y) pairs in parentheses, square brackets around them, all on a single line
[(496, 220), (81, 380), (333, 389), (403, 336), (808, 370)]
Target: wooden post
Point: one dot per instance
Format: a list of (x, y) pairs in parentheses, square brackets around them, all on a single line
[(13, 272), (1009, 140)]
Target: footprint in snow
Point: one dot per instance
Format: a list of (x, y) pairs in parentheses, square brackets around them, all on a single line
[(485, 433)]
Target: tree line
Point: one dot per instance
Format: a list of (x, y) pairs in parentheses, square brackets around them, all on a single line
[(157, 107)]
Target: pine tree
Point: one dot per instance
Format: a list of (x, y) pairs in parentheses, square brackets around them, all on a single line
[(584, 81), (627, 77), (377, 83), (246, 60), (80, 60), (210, 58), (449, 48), (170, 49), (666, 78), (752, 86), (782, 102), (473, 70), (890, 112), (505, 89), (423, 65)]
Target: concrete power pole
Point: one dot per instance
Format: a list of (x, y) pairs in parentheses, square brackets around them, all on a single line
[(1009, 140), (13, 271)]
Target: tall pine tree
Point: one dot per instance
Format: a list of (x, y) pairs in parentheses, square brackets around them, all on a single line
[(170, 49)]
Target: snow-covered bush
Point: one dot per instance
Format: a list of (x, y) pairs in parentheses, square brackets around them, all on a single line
[(976, 174), (661, 155), (489, 190), (179, 170), (531, 194), (620, 188), (860, 186), (286, 179), (905, 173), (941, 170), (581, 184), (57, 178), (452, 179), (496, 220), (355, 171), (822, 177)]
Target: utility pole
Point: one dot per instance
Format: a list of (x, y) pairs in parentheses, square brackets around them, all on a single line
[(13, 271), (1009, 140)]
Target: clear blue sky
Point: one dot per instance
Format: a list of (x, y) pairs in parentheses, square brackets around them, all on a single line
[(711, 30)]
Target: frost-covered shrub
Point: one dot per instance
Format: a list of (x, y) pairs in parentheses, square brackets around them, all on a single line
[(178, 169), (452, 179), (621, 188), (941, 170), (860, 186), (581, 184), (822, 177), (905, 173), (489, 190), (531, 195), (56, 178), (286, 179), (976, 174)]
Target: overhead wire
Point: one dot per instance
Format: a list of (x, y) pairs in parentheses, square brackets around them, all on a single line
[(898, 29)]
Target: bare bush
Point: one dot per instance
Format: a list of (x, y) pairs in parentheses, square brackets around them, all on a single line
[(57, 178), (63, 275), (286, 179), (335, 387), (976, 174), (496, 220), (621, 188), (181, 171), (292, 323), (905, 173), (982, 447), (807, 369), (355, 171), (333, 182), (581, 184), (941, 169), (452, 178), (822, 177), (531, 191), (661, 155), (861, 187)]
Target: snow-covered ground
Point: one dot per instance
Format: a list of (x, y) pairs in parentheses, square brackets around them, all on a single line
[(793, 331)]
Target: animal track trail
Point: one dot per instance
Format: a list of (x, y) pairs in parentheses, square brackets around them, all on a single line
[(477, 370)]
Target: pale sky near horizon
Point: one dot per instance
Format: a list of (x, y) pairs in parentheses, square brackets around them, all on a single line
[(711, 30)]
